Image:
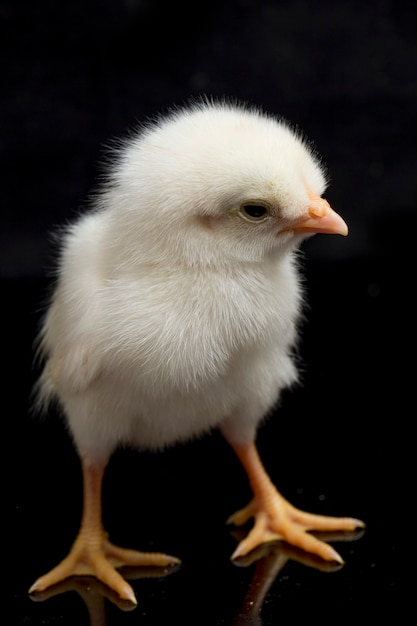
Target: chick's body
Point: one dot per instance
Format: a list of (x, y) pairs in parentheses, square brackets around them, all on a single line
[(178, 300), (168, 353)]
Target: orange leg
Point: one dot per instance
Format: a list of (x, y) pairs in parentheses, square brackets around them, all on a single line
[(92, 554), (275, 518)]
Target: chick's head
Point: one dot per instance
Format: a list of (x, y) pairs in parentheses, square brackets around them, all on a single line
[(211, 184)]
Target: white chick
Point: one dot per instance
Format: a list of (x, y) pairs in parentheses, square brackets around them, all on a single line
[(176, 312)]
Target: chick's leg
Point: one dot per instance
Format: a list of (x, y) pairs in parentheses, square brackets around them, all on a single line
[(92, 554), (275, 518)]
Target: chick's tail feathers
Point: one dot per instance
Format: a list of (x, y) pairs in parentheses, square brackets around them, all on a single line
[(43, 394)]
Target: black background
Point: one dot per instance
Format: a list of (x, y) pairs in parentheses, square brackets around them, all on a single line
[(76, 75)]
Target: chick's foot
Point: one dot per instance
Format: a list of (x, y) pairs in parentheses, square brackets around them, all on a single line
[(91, 553), (279, 520), (276, 519), (100, 558)]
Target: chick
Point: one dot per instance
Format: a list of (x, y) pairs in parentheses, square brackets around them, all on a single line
[(176, 311)]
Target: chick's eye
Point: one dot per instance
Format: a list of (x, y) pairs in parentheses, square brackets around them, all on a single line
[(254, 212)]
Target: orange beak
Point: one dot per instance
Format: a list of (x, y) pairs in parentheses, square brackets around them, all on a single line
[(321, 219)]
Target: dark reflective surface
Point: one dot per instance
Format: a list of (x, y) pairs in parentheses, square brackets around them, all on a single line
[(77, 74), (332, 448)]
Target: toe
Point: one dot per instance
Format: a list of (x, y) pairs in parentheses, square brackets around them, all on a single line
[(307, 542), (243, 515), (310, 521), (110, 577), (122, 556), (259, 534)]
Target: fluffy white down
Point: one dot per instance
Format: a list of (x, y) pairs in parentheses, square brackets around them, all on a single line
[(172, 313)]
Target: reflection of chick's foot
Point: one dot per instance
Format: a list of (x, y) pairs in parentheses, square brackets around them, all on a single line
[(275, 518)]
